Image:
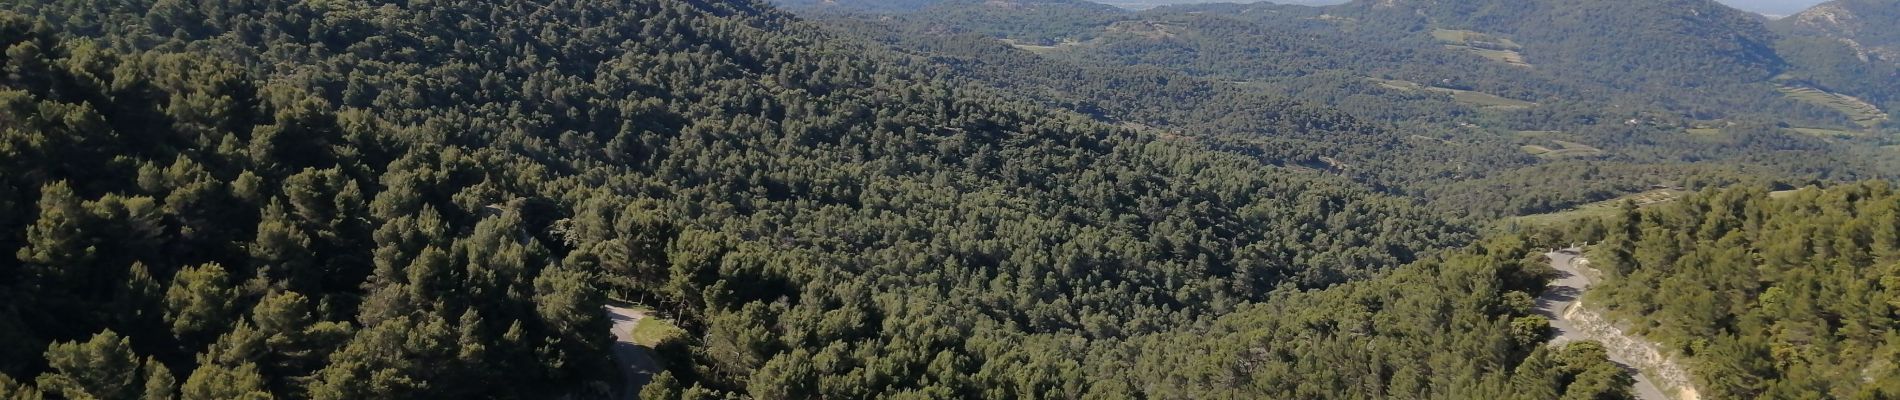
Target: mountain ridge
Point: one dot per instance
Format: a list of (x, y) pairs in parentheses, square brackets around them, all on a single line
[(1864, 25)]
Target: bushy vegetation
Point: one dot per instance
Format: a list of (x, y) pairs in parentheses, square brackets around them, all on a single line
[(1367, 90), (252, 199), (435, 199), (1770, 296), (1459, 326)]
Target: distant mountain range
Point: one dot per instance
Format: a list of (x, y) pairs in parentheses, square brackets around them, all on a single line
[(1147, 4), (1867, 26), (1504, 71), (1777, 8)]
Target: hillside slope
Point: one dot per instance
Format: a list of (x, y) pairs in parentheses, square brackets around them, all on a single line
[(1406, 103), (870, 6), (1769, 295), (435, 200), (1630, 44), (1864, 25)]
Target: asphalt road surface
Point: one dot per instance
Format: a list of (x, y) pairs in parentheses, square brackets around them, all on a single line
[(1563, 291), (637, 365)]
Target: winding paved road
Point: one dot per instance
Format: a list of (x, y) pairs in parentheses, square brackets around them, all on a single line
[(637, 365), (1563, 292)]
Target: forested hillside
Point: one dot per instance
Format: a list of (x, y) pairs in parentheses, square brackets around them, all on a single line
[(1632, 45), (433, 200), (1770, 295), (1863, 25), (1031, 22), (873, 6), (1847, 46), (1696, 58), (1376, 94), (348, 199), (183, 229), (1273, 128), (1457, 327)]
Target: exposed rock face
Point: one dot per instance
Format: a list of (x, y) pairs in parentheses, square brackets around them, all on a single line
[(1867, 26)]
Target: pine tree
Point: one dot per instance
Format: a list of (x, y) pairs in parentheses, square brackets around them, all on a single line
[(159, 382), (567, 303), (15, 390), (281, 254), (1537, 378), (101, 368), (295, 342), (58, 255), (138, 304), (199, 302), (213, 381), (662, 387)]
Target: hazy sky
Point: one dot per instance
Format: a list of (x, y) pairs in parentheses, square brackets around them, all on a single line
[(1770, 7)]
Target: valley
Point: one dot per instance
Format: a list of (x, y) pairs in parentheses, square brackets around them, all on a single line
[(936, 199), (1621, 120)]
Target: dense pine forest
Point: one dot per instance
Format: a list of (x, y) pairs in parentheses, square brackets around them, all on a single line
[(347, 199), (327, 200), (1772, 294), (1378, 92)]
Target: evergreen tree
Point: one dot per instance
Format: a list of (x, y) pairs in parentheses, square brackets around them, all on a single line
[(101, 368), (199, 301)]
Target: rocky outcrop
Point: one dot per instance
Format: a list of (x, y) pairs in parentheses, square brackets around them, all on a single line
[(1867, 26)]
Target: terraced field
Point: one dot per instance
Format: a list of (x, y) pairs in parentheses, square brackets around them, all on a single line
[(1492, 47), (1601, 209), (1475, 99), (1039, 49), (1705, 131), (1782, 194), (1828, 133), (1867, 115), (1487, 100), (1562, 149)]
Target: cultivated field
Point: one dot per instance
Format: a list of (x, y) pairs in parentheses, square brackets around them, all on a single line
[(1828, 133), (1038, 49), (1601, 209), (1475, 99), (1558, 149), (1867, 115), (1495, 48)]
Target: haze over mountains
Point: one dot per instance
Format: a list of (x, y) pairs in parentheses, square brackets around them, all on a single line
[(1866, 26), (1146, 4), (1445, 97), (935, 199), (1778, 8)]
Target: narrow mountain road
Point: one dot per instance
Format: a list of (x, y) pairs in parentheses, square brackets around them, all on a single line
[(1564, 292), (637, 365)]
